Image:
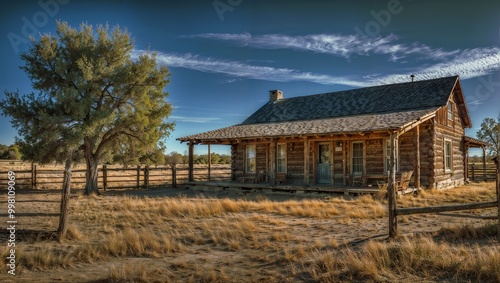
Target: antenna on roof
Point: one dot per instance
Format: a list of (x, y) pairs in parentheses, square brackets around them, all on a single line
[(412, 77)]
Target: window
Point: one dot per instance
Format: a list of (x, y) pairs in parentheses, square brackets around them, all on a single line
[(281, 157), (448, 156), (450, 114), (357, 157), (251, 160), (387, 153)]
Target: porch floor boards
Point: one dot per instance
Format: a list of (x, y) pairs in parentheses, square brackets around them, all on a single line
[(337, 189)]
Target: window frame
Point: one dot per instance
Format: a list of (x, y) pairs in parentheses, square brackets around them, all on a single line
[(362, 157), (449, 113), (249, 160), (283, 158), (448, 157)]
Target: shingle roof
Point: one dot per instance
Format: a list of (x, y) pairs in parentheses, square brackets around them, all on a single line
[(351, 124), (358, 110), (370, 100)]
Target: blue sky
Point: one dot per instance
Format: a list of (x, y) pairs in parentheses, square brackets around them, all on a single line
[(225, 55)]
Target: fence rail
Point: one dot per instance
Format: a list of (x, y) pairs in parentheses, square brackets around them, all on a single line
[(113, 177), (394, 211), (476, 172)]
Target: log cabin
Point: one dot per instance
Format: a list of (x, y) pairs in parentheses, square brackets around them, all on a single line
[(328, 138)]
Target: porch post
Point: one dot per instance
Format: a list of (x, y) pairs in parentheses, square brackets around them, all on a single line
[(391, 190), (191, 161), (466, 163), (344, 160), (272, 162), (484, 164), (306, 162), (416, 143), (209, 162)]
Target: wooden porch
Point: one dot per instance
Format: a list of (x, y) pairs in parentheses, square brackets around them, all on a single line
[(286, 188)]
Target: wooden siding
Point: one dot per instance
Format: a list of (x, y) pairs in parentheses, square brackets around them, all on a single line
[(432, 172), (427, 154), (374, 159), (261, 157), (295, 162), (453, 132)]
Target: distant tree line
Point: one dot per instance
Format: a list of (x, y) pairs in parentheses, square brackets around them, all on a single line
[(174, 158), (125, 158)]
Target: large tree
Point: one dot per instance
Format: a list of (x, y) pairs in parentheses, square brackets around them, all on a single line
[(96, 93), (490, 132)]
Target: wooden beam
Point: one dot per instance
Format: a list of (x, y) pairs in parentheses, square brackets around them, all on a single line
[(306, 162), (484, 163), (466, 163), (209, 162), (272, 163), (413, 124), (391, 189), (416, 144), (344, 160), (332, 171), (191, 161), (436, 209)]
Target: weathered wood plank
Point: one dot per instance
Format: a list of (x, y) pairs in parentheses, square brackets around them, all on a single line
[(391, 190), (436, 209)]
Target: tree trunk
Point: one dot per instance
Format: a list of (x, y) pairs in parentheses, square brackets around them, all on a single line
[(65, 194), (91, 174)]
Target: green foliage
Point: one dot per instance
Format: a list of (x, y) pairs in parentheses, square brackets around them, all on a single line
[(490, 132), (92, 98), (10, 152), (174, 158)]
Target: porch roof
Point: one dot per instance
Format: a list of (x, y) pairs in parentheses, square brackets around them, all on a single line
[(341, 125), (472, 142)]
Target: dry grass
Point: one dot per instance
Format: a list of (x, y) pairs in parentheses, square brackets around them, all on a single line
[(420, 257), (219, 240), (477, 192)]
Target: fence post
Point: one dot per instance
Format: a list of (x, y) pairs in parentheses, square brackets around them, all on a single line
[(146, 177), (138, 176), (174, 176), (472, 167), (391, 189), (497, 185), (33, 176), (104, 177)]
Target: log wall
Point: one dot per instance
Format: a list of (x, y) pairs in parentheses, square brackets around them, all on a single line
[(432, 135), (451, 130)]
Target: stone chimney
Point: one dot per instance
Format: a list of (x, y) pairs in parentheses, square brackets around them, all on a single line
[(275, 95)]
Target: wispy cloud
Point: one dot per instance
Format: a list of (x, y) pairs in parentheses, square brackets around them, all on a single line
[(238, 69), (467, 63), (186, 119), (335, 44)]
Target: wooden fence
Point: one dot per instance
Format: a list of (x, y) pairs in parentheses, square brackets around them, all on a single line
[(114, 177), (394, 211), (478, 173)]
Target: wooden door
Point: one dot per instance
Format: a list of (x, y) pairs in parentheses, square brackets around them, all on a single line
[(324, 172)]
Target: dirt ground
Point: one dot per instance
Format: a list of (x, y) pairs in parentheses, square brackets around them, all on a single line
[(37, 212)]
